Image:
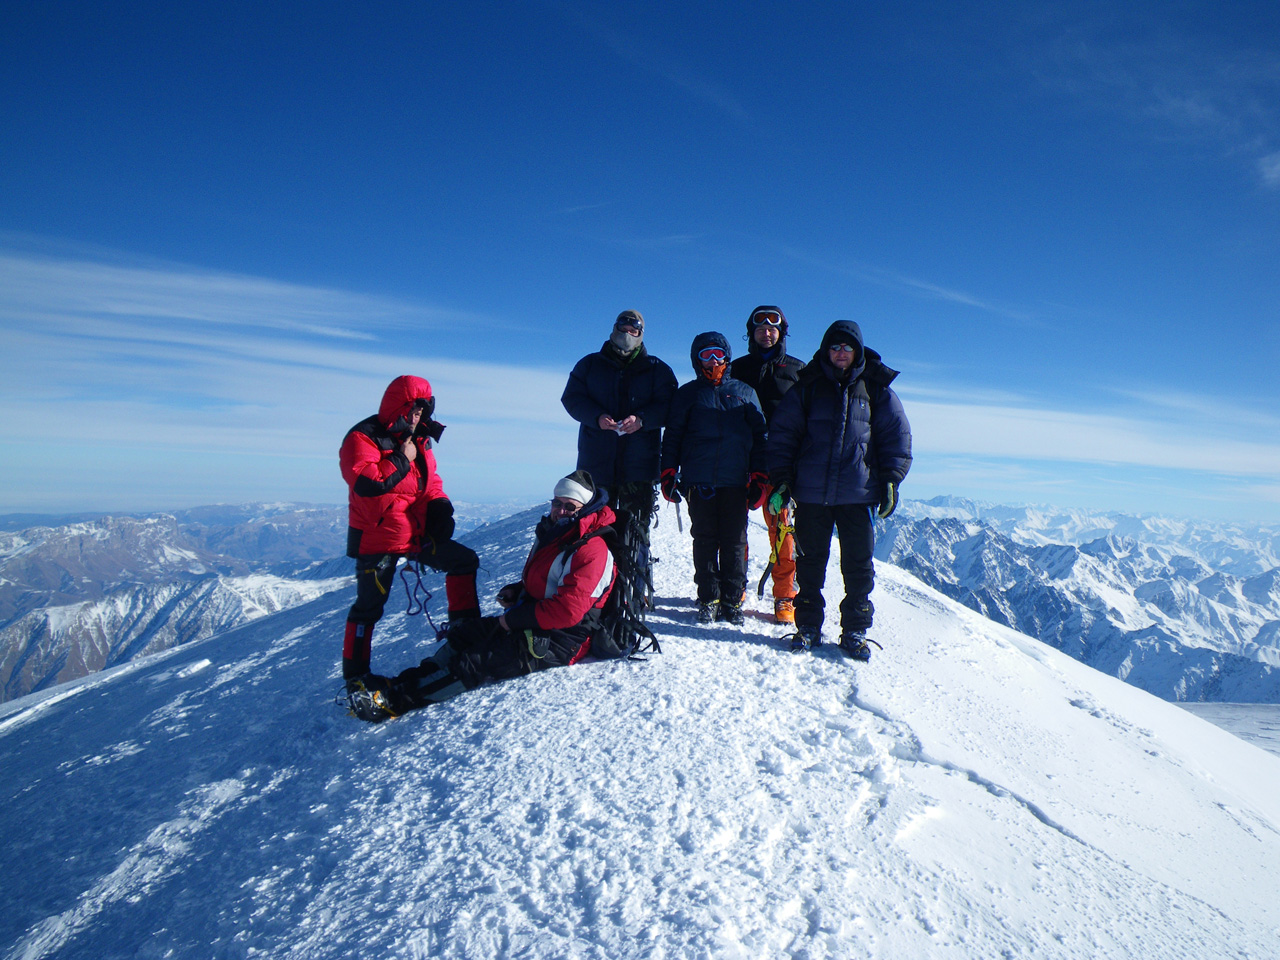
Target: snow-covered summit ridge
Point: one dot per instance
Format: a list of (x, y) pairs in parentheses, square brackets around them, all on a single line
[(1186, 609), (970, 793)]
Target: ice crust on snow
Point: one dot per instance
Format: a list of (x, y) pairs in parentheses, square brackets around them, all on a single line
[(970, 793)]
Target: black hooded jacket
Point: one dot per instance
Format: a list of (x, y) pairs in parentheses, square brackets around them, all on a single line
[(839, 439), (770, 378), (606, 383)]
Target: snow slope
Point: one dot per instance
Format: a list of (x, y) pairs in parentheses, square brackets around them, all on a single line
[(970, 793)]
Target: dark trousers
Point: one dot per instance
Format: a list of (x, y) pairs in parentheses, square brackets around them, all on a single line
[(852, 523), (479, 650), (718, 522), (375, 577)]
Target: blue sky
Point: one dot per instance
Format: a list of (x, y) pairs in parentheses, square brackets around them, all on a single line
[(224, 228)]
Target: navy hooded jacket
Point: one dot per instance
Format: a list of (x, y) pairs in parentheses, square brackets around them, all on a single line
[(840, 440), (606, 383), (715, 432)]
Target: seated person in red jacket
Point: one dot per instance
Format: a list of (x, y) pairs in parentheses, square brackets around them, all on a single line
[(551, 612), (398, 508)]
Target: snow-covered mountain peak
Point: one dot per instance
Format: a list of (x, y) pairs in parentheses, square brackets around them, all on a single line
[(970, 793)]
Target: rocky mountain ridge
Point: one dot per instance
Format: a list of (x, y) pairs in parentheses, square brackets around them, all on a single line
[(80, 596), (1183, 609)]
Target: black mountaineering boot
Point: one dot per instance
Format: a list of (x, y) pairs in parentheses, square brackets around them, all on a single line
[(708, 610), (806, 637), (731, 613), (856, 645), (370, 698)]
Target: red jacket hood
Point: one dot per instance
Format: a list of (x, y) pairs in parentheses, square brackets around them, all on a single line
[(398, 399)]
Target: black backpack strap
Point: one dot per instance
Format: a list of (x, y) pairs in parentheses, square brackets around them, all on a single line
[(605, 531), (622, 597), (807, 390)]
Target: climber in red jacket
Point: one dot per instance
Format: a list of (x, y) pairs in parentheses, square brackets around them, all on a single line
[(398, 508)]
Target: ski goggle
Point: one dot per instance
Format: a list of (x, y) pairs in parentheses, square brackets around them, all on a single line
[(711, 355), (766, 320), (633, 325), (842, 348)]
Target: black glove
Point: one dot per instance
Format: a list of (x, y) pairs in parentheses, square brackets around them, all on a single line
[(670, 489), (439, 524), (509, 594), (889, 501)]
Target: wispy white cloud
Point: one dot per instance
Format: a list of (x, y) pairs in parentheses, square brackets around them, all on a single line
[(32, 287), (1269, 169), (1204, 409), (924, 289), (584, 207), (196, 374), (938, 292), (658, 62), (664, 242), (1196, 414), (1167, 76), (1028, 433)]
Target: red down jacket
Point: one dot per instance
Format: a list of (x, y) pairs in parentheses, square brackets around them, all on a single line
[(388, 492), (560, 594)]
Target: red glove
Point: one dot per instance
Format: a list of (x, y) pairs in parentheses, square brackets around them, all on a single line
[(757, 490), (670, 490)]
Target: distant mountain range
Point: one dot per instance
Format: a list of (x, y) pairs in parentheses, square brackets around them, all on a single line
[(1186, 610), (79, 594)]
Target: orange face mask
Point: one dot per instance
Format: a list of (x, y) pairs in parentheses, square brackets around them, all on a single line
[(714, 371)]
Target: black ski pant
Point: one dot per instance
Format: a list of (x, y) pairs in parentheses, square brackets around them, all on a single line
[(718, 523), (814, 525), (478, 651), (375, 577)]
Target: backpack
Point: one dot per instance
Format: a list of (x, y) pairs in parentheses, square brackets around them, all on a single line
[(620, 632)]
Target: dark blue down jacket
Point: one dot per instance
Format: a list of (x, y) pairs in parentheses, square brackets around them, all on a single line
[(840, 440), (605, 382), (715, 432)]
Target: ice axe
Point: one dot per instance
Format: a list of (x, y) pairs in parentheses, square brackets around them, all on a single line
[(783, 531)]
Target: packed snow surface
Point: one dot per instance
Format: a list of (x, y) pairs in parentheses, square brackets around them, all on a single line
[(969, 793)]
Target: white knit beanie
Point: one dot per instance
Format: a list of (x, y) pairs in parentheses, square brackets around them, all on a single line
[(576, 486)]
